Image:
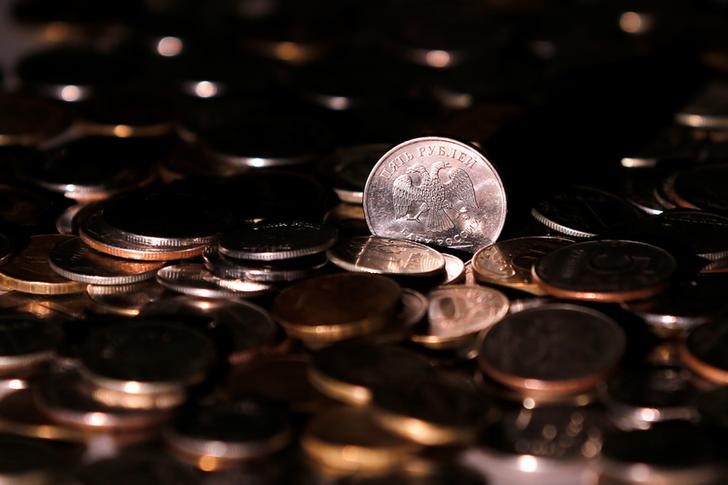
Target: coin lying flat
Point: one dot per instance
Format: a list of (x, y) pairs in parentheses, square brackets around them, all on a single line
[(381, 255), (456, 312), (703, 351), (555, 349), (277, 240), (76, 261), (608, 270), (437, 191), (30, 272), (508, 263), (193, 279), (353, 372), (704, 233), (262, 271), (26, 341), (124, 299), (702, 188)]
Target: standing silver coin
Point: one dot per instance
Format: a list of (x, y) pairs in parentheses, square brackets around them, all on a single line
[(436, 191)]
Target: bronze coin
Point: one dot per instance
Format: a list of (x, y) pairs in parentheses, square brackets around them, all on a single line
[(608, 270)]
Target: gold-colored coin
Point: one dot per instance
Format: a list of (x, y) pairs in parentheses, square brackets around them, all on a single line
[(30, 272)]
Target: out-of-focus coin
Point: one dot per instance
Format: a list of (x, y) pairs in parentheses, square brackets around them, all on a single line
[(457, 312), (193, 279), (705, 233), (6, 248), (583, 212), (348, 219), (26, 341), (125, 299), (27, 460), (126, 115), (412, 310), (703, 350), (243, 329), (702, 188), (608, 270), (439, 474), (270, 241), (348, 168), (31, 121), (21, 416), (454, 269), (552, 349), (423, 411), (137, 467), (437, 191), (67, 222), (711, 407), (354, 372), (708, 110), (509, 263), (216, 435), (322, 309), (262, 271), (383, 255), (117, 357), (29, 271), (349, 439), (25, 208), (76, 261)]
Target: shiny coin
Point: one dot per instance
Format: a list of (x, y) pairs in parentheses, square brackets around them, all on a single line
[(508, 263), (382, 255), (194, 279), (322, 309), (262, 271), (703, 188), (354, 372), (117, 357), (31, 121), (437, 191), (349, 439), (29, 271), (277, 240), (26, 341), (215, 435), (76, 261), (583, 212), (454, 269), (141, 468), (28, 461), (607, 270), (456, 312), (348, 168), (125, 299), (703, 351), (705, 233), (552, 349), (67, 222)]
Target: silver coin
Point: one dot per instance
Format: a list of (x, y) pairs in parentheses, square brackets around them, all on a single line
[(437, 191), (194, 279), (125, 299), (454, 269), (382, 255), (270, 241), (262, 271)]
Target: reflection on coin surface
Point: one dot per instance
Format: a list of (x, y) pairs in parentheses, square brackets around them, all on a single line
[(26, 341), (74, 260), (454, 269), (261, 271), (125, 299), (371, 254), (437, 191), (703, 351), (458, 311), (194, 279), (608, 270), (557, 348), (509, 262), (30, 272), (277, 240)]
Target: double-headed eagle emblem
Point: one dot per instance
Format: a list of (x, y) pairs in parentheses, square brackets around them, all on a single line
[(434, 193)]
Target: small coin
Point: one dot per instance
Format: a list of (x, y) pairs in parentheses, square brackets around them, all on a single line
[(508, 263), (117, 357), (552, 349), (31, 121), (703, 350), (608, 270), (193, 279), (322, 309), (141, 467), (349, 439), (454, 269), (382, 255), (26, 341), (348, 168), (214, 435), (703, 188), (125, 299), (76, 261), (456, 312), (354, 372), (262, 271), (30, 272), (437, 191), (277, 240), (705, 233), (584, 212)]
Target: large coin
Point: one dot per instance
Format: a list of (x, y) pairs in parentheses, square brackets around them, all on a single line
[(437, 191)]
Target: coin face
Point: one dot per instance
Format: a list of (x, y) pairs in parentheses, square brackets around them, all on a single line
[(437, 191), (509, 262), (556, 349), (194, 279), (277, 240), (371, 254), (607, 270)]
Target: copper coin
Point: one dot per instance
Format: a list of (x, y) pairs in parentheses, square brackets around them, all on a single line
[(508, 263), (30, 272), (703, 351), (554, 349), (608, 270)]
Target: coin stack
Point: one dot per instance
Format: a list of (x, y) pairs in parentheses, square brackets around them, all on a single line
[(363, 243)]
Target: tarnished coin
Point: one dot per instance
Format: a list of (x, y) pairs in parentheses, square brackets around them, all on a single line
[(262, 271), (125, 299), (270, 241), (26, 341), (142, 468), (608, 270), (703, 351), (30, 272), (348, 168), (703, 232), (553, 349), (354, 372), (76, 261), (321, 309), (194, 279), (509, 263), (457, 312), (371, 254), (31, 121), (454, 269), (437, 191)]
